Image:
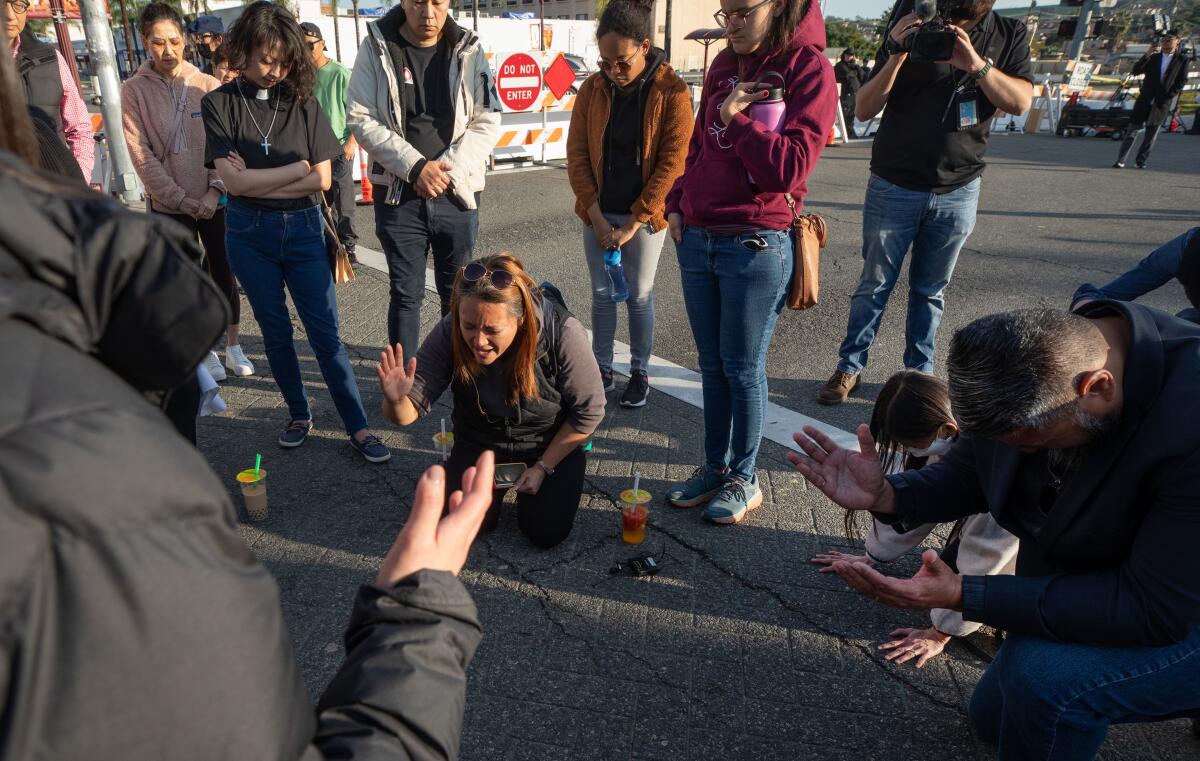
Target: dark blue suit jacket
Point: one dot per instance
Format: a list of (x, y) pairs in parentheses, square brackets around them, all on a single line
[(1117, 560)]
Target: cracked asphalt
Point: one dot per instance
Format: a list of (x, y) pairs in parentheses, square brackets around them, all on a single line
[(737, 649)]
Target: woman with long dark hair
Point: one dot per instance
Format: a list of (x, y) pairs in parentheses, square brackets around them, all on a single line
[(730, 215), (160, 104), (525, 386), (913, 426), (271, 144), (625, 149)]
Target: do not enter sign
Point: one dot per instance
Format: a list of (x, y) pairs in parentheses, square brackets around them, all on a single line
[(519, 81)]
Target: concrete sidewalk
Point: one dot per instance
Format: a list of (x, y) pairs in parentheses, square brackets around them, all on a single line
[(738, 649)]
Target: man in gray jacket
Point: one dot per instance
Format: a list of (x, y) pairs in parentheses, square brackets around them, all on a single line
[(422, 103)]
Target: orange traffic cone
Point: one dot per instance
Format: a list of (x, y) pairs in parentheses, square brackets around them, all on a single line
[(832, 137), (368, 194)]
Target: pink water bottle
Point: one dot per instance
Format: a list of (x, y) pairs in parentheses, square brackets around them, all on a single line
[(770, 111)]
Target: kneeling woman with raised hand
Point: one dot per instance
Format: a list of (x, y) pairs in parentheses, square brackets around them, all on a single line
[(525, 385)]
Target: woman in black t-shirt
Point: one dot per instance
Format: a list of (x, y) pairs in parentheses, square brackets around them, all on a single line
[(271, 144)]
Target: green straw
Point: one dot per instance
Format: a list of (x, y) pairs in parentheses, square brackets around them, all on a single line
[(257, 462)]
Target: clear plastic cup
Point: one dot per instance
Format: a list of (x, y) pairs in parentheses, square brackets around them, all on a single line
[(254, 492), (444, 442), (634, 515)]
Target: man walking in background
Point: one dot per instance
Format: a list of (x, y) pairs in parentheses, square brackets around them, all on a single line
[(50, 89), (330, 91), (850, 76), (1165, 74)]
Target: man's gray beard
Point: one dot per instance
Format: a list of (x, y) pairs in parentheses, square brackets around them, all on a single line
[(1066, 461)]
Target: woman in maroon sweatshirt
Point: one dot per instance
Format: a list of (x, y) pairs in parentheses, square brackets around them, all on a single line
[(730, 221)]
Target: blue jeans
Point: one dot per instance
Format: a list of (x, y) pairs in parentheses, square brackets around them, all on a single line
[(271, 249), (639, 257), (734, 288), (1051, 700), (936, 227), (408, 231)]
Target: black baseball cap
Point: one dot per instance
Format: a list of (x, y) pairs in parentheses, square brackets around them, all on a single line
[(312, 30)]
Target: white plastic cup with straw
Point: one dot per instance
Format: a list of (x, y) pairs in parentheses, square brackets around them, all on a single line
[(443, 441)]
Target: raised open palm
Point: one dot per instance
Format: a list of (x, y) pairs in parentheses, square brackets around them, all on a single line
[(395, 377), (851, 479)]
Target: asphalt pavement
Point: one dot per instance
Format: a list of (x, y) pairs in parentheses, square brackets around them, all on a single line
[(737, 649)]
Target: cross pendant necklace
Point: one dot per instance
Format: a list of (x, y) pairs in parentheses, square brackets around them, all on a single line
[(266, 142)]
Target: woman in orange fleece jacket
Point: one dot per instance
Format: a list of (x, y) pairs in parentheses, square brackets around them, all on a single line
[(160, 107), (626, 146)]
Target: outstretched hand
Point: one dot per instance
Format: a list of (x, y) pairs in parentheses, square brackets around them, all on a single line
[(935, 585), (851, 479), (429, 541), (396, 378)]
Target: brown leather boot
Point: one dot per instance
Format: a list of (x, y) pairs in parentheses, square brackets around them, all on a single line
[(837, 388)]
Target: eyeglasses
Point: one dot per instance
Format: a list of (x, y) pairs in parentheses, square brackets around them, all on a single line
[(743, 15), (624, 64), (499, 279), (19, 6)]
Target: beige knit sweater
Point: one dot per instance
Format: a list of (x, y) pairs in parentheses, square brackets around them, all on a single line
[(166, 135)]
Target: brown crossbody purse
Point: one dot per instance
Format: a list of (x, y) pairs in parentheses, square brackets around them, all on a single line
[(809, 236)]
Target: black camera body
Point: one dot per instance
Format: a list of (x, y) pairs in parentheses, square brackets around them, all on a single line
[(933, 42)]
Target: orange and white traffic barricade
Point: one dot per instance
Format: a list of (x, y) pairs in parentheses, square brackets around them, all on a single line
[(537, 92)]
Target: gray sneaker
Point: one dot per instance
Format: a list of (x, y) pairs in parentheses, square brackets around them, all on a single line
[(697, 489), (736, 498), (295, 434)]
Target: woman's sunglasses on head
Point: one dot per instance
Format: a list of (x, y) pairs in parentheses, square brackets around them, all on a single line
[(498, 279)]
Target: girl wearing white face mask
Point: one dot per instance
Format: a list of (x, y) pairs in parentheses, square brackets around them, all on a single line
[(913, 427)]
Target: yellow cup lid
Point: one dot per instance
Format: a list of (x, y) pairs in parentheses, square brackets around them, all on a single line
[(642, 498), (449, 439), (248, 477)]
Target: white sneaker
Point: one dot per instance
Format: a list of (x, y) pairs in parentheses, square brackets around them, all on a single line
[(212, 363), (236, 361)]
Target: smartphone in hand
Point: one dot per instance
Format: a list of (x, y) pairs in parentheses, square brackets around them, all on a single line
[(507, 474)]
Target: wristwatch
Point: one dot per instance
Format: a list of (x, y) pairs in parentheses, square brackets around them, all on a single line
[(987, 66), (545, 468)]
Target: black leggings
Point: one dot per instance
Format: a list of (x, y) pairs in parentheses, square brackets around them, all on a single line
[(546, 517), (212, 236)]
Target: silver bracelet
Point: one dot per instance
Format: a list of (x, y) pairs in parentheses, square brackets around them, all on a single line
[(546, 468)]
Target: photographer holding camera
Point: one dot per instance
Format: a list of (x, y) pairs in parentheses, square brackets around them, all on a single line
[(943, 73)]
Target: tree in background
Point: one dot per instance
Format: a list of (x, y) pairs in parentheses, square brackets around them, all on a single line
[(848, 34)]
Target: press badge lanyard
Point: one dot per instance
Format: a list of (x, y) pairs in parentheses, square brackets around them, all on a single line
[(968, 116)]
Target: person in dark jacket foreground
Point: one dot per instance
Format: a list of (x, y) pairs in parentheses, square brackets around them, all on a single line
[(134, 622), (1081, 436)]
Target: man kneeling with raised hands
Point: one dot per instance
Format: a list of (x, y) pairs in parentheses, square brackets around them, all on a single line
[(1081, 435)]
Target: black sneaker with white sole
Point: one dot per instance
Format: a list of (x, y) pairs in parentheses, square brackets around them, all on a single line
[(295, 433), (636, 390)]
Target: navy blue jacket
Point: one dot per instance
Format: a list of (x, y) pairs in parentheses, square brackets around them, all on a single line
[(1117, 560)]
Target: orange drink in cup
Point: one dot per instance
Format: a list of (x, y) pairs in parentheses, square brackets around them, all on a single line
[(634, 515)]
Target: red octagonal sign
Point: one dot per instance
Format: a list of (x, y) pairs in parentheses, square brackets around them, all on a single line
[(559, 76), (519, 81)]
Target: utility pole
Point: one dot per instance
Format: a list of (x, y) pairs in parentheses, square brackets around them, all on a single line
[(337, 38), (59, 15), (1081, 29), (667, 33), (357, 28), (104, 60), (475, 15), (542, 23)]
